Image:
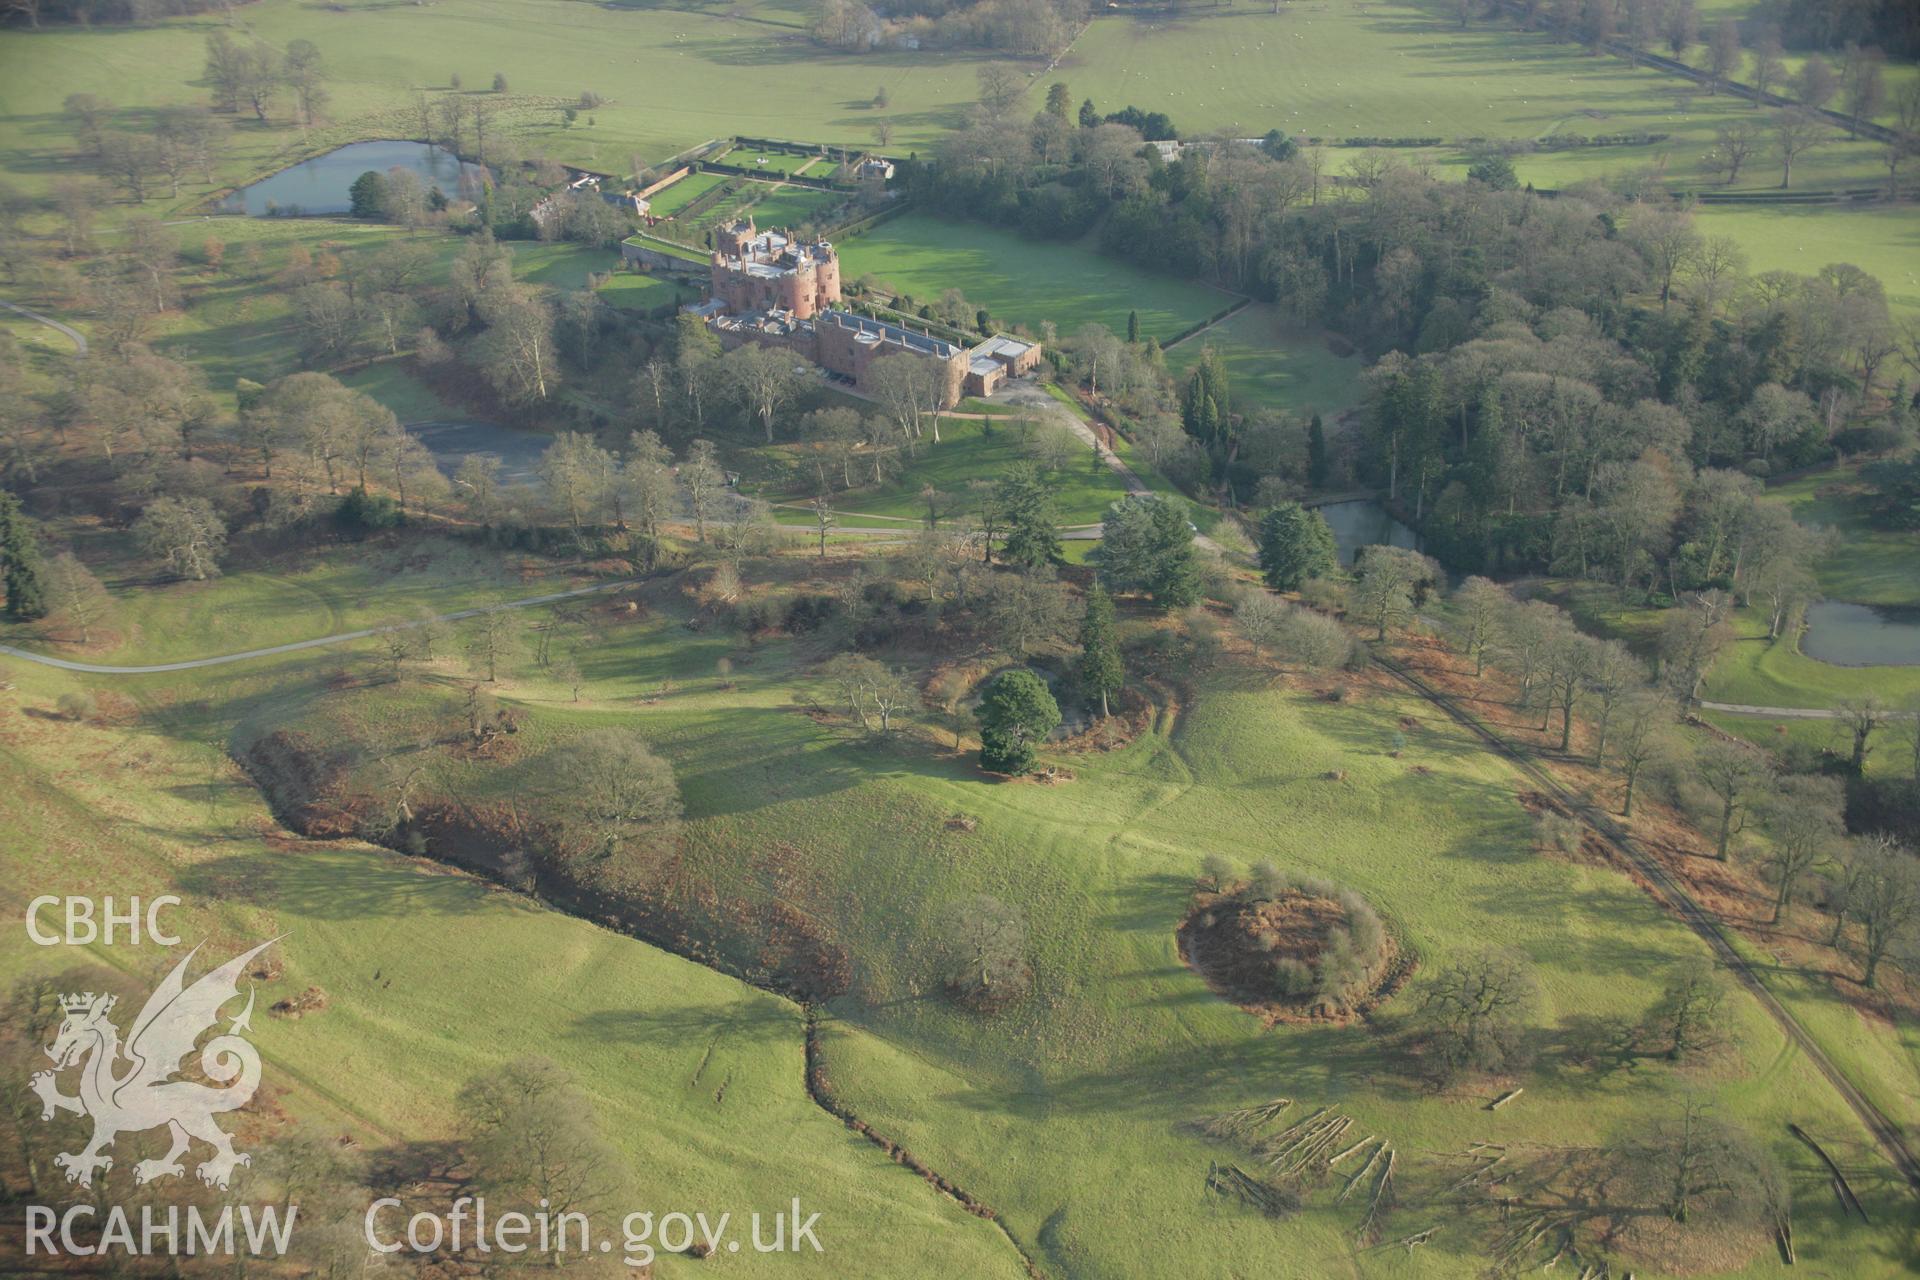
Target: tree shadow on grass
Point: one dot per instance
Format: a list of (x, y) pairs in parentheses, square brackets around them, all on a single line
[(337, 884), (1319, 1062), (756, 1021)]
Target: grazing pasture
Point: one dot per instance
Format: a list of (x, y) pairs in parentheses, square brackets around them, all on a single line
[(658, 70), (1067, 1110), (1402, 71)]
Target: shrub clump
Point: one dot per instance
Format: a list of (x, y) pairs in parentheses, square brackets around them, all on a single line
[(1278, 943)]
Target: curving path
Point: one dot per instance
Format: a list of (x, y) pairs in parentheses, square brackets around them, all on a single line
[(74, 336), (1787, 713), (319, 642), (1774, 713)]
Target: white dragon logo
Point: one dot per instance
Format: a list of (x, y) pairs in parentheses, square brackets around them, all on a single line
[(145, 1096)]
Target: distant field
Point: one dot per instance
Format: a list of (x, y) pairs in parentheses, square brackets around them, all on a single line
[(672, 78), (1394, 70), (1022, 281), (1268, 365), (1884, 241)]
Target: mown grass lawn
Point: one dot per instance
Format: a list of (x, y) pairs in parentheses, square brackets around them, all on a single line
[(632, 291), (775, 162), (666, 203), (1755, 673), (1024, 282), (788, 208), (1270, 366)]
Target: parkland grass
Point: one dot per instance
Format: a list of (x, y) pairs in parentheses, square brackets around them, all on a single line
[(1882, 240), (675, 1057), (1275, 367), (1399, 71), (657, 69), (1024, 282), (1066, 1111), (967, 452)]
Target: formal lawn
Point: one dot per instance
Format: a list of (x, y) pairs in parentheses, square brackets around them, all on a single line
[(1273, 366), (632, 291), (772, 162), (790, 208), (1024, 282), (684, 192)]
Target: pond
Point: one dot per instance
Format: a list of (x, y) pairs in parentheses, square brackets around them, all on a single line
[(1862, 635), (450, 442), (1365, 524), (321, 185)]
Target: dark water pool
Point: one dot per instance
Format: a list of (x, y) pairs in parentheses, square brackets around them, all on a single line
[(321, 185), (1365, 524), (1862, 635)]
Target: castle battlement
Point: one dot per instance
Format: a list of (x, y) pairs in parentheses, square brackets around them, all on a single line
[(767, 271)]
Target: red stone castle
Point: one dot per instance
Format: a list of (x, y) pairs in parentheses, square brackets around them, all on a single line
[(766, 271), (770, 289)]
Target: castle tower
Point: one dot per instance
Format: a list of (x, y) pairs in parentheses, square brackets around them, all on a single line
[(732, 241)]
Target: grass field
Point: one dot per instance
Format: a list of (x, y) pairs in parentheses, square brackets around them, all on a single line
[(1882, 241), (659, 68), (1399, 71), (1066, 1111), (1081, 491), (431, 978), (1754, 673), (790, 207), (1024, 282), (773, 162), (410, 399), (1270, 366)]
